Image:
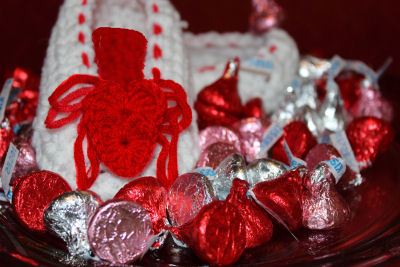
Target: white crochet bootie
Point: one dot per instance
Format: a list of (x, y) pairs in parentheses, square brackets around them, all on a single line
[(176, 55)]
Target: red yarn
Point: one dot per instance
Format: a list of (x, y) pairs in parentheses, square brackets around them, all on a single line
[(157, 52), (123, 115), (81, 18), (157, 29), (81, 37)]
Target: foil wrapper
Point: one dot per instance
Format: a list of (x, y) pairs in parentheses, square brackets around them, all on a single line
[(219, 103), (261, 170), (299, 139), (6, 136), (259, 227), (323, 207), (250, 132), (32, 194), (120, 231), (214, 154), (26, 160), (151, 195), (68, 217), (266, 15), (217, 234), (281, 197), (372, 103), (322, 152), (331, 112), (299, 97), (233, 166), (187, 196), (218, 134), (369, 137)]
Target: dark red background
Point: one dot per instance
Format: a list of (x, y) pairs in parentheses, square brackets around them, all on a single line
[(359, 29)]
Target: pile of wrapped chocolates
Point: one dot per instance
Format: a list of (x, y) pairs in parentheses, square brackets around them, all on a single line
[(258, 173), (255, 170)]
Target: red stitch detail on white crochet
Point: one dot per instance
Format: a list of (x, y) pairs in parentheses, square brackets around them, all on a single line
[(272, 49), (81, 18), (81, 37), (85, 59), (155, 8), (206, 68), (157, 52), (209, 45), (157, 29), (232, 45)]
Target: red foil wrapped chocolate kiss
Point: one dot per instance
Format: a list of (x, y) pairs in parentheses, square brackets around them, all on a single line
[(369, 137), (217, 233), (220, 103), (151, 195), (33, 193), (259, 228), (299, 139), (283, 197)]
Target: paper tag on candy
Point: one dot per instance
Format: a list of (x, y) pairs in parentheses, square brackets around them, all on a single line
[(207, 171), (341, 143), (294, 162), (5, 92), (337, 65), (270, 136), (8, 168), (337, 167), (258, 66)]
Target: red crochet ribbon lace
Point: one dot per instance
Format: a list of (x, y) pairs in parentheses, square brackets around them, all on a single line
[(124, 115)]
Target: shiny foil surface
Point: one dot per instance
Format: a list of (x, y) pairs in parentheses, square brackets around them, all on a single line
[(214, 154), (299, 139), (261, 170), (33, 193), (233, 166), (266, 15), (187, 196), (218, 235), (331, 113), (372, 103), (254, 108), (283, 197), (218, 134), (68, 217), (151, 195), (6, 135), (26, 160), (323, 207), (322, 152), (250, 132), (120, 231), (369, 137), (220, 103), (259, 228)]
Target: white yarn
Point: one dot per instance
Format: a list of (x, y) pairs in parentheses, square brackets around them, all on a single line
[(54, 148)]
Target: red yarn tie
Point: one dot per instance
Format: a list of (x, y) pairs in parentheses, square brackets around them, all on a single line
[(123, 115)]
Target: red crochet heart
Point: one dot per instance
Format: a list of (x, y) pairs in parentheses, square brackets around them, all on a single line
[(123, 124)]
